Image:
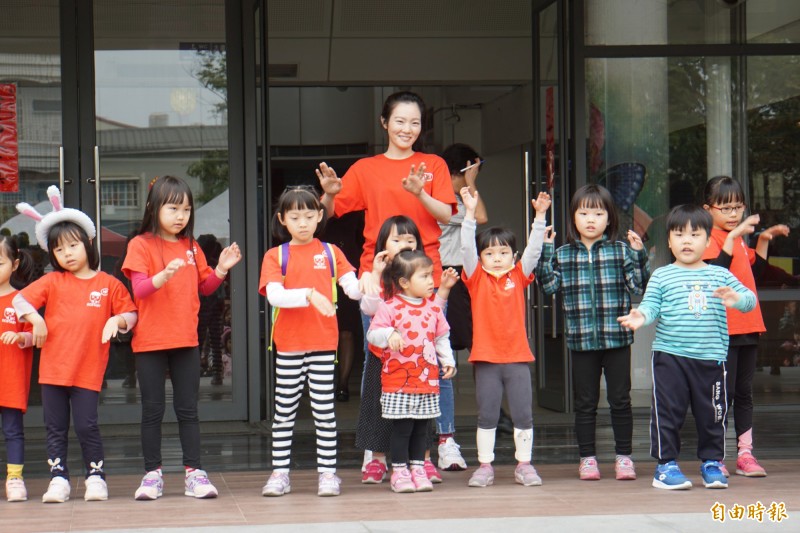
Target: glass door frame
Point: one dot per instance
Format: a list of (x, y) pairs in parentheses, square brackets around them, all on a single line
[(79, 187)]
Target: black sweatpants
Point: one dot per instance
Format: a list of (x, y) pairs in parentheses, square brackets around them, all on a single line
[(679, 382), (741, 366)]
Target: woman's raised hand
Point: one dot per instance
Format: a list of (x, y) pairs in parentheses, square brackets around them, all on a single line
[(415, 181), (331, 183)]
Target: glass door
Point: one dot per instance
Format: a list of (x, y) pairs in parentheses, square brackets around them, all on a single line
[(553, 369), (159, 80)]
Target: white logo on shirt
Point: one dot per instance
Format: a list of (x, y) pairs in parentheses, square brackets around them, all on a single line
[(428, 176), (9, 316), (95, 297), (509, 284), (190, 257), (320, 262)]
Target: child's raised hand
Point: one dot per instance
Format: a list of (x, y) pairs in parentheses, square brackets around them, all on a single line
[(331, 183), (778, 230), (549, 235), (470, 200), (379, 263), (321, 304), (11, 337), (172, 268), (541, 204), (229, 257), (395, 341), (110, 329), (634, 240), (415, 181), (728, 296), (449, 372), (633, 320), (449, 279), (747, 226)]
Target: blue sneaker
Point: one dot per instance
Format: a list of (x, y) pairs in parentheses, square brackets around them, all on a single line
[(713, 477), (669, 476)]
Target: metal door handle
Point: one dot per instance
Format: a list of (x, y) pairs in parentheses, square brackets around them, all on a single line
[(96, 181)]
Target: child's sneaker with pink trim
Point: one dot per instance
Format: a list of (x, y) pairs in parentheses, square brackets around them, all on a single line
[(746, 465), (420, 478), (588, 470), (198, 485), (431, 472), (374, 472), (723, 469), (482, 477), (624, 468), (526, 475), (401, 481)]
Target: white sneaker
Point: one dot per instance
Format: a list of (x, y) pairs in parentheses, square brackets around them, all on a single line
[(96, 489), (58, 491), (329, 484), (152, 486), (15, 490), (199, 486), (277, 485), (450, 456)]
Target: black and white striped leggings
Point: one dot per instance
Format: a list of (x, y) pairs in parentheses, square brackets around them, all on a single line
[(292, 369)]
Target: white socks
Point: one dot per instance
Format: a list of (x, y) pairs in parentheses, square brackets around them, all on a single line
[(485, 440), (523, 442)]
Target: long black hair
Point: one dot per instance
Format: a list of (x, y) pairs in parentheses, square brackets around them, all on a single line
[(166, 190), (25, 271), (65, 230), (593, 196), (296, 197)]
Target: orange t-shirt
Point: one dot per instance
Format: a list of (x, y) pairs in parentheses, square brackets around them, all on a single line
[(498, 316), (168, 317), (304, 329), (742, 261), (15, 362), (375, 185), (76, 312)]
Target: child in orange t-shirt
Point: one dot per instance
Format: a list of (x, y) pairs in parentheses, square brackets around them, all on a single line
[(84, 309), (167, 269), (16, 359), (298, 278), (500, 351)]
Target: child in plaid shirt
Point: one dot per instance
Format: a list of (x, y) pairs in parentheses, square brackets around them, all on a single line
[(597, 274)]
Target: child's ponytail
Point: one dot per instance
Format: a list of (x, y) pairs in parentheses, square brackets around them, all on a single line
[(404, 264), (26, 270)]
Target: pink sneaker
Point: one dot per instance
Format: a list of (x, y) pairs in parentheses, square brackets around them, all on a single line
[(401, 481), (374, 472), (588, 470), (625, 468), (431, 472), (746, 465), (420, 479)]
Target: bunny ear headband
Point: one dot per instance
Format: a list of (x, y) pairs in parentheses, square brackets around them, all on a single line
[(58, 214)]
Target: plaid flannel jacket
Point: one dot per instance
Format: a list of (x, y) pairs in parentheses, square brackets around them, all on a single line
[(597, 285)]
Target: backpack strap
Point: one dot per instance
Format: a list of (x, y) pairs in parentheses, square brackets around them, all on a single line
[(332, 265)]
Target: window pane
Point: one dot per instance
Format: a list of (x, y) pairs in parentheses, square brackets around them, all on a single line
[(625, 22), (773, 21)]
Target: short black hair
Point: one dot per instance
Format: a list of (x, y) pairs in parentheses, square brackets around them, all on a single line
[(403, 226), (457, 156), (403, 265), (496, 236), (593, 196), (689, 214), (67, 229), (297, 197), (722, 190)]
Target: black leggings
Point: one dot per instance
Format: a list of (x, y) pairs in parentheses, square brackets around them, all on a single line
[(184, 372), (409, 440)]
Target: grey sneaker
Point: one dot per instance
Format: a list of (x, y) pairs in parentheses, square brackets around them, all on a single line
[(526, 475), (329, 484), (482, 477), (277, 485)]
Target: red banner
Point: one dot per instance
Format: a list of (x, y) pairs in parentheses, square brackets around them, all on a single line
[(9, 148)]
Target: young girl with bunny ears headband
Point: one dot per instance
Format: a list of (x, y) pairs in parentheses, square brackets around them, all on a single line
[(84, 309)]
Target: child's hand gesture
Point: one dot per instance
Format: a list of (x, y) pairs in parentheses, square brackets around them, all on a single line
[(541, 204), (321, 303), (549, 235), (229, 257), (110, 329), (634, 240), (778, 230), (395, 341), (449, 372), (367, 284), (172, 268), (470, 201), (633, 320), (379, 263), (331, 183), (415, 181), (449, 279), (728, 296), (11, 337), (747, 227), (39, 329)]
